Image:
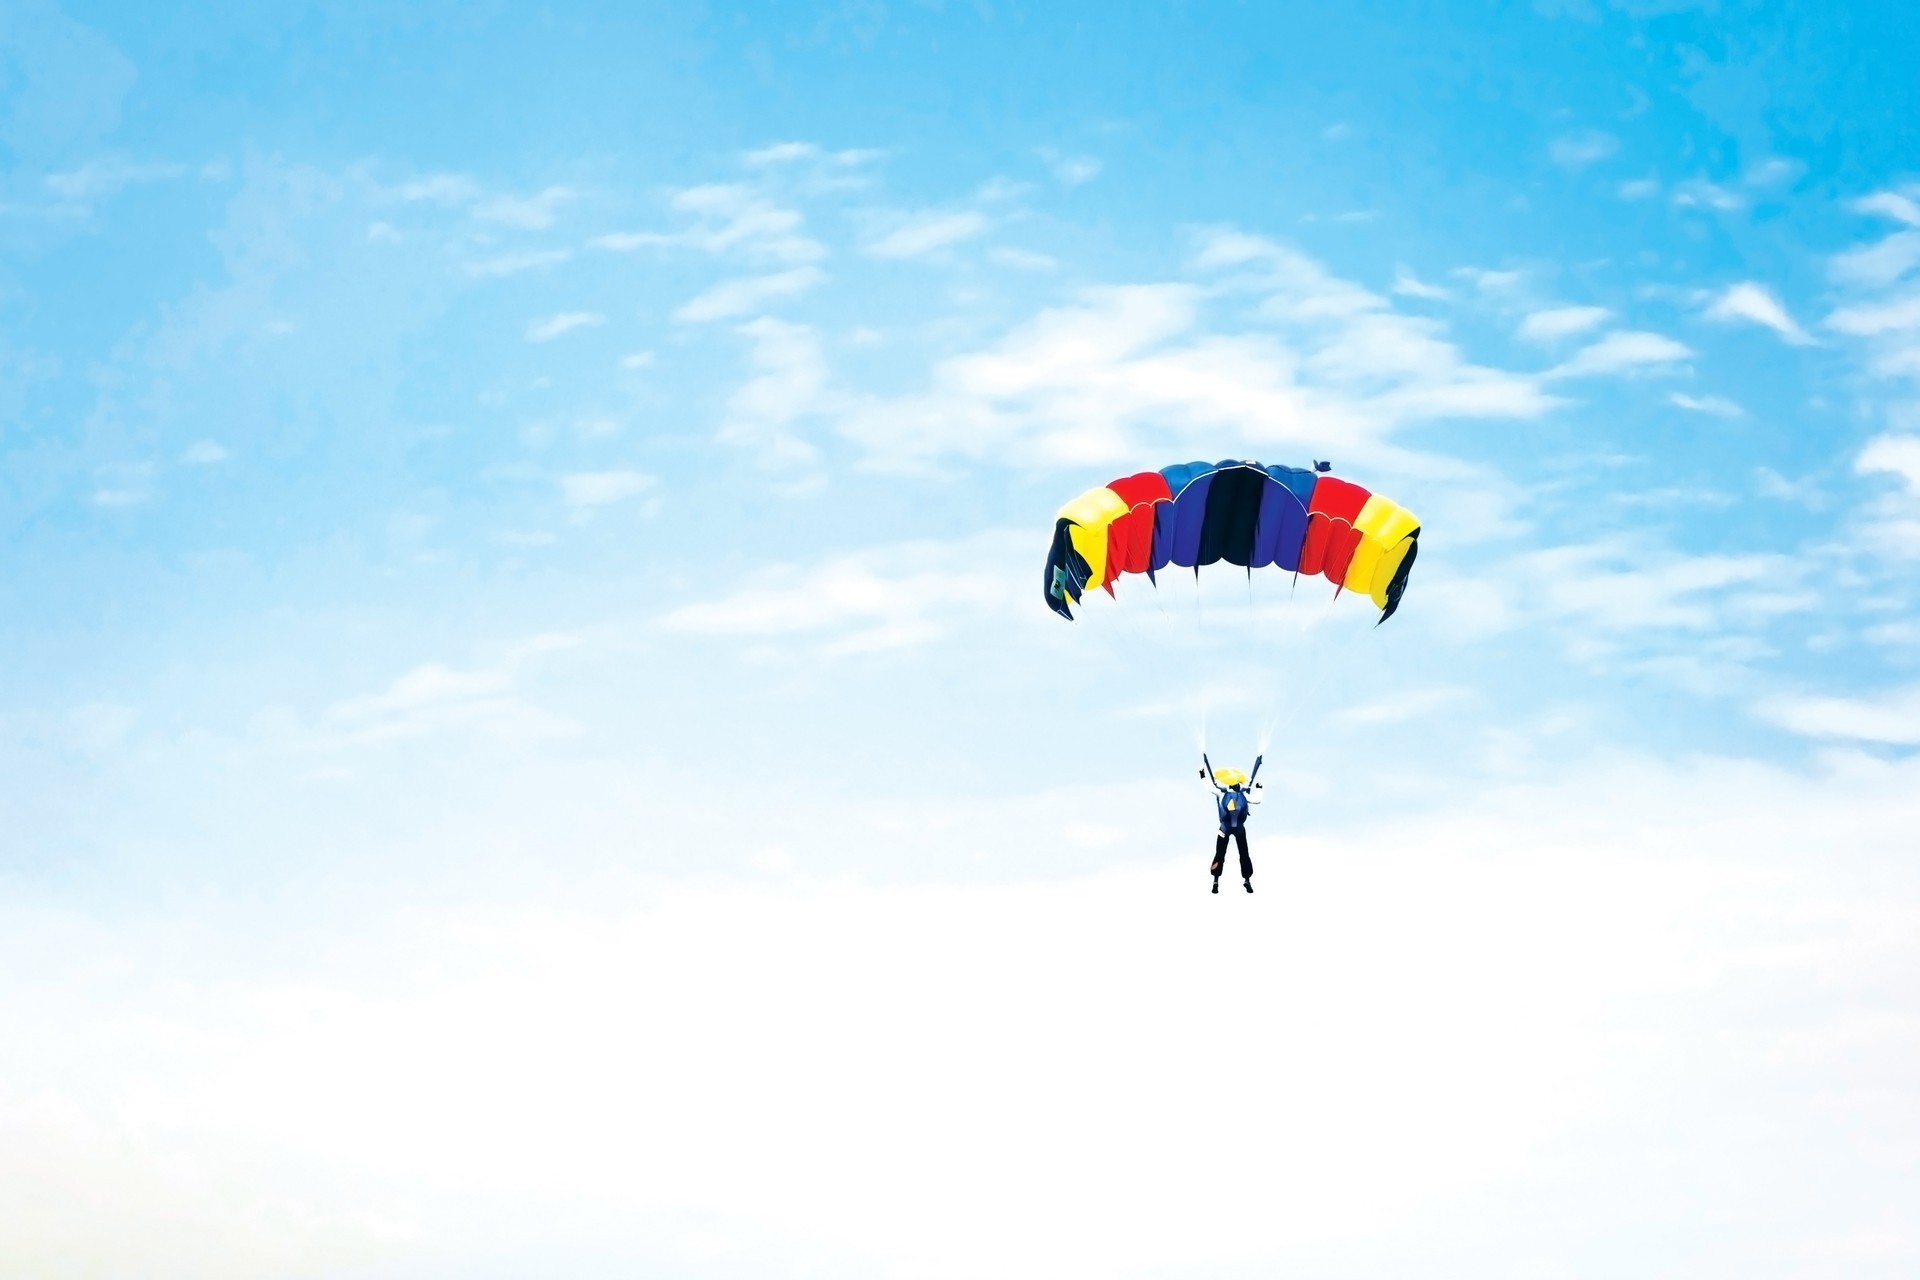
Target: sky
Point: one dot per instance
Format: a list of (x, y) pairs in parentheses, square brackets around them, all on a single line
[(530, 741)]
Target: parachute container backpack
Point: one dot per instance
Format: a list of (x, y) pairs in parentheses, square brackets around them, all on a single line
[(1244, 513)]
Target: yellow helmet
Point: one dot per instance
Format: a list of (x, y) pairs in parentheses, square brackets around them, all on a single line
[(1230, 777)]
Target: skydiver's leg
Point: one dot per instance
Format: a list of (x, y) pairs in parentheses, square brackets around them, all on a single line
[(1246, 862), (1219, 859)]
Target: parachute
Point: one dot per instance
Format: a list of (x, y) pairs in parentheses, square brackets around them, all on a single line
[(1244, 513)]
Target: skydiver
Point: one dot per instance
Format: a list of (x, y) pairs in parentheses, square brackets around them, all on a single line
[(1233, 797)]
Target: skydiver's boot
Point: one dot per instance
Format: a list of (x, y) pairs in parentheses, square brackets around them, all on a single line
[(1249, 885), (1216, 884)]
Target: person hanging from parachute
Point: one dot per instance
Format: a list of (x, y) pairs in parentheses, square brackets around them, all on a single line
[(1253, 516), (1233, 796)]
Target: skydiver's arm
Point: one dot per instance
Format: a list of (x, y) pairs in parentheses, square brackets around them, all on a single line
[(1256, 771)]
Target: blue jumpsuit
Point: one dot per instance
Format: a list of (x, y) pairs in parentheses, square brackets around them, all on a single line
[(1233, 824)]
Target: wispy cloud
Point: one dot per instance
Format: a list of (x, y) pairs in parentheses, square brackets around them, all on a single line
[(738, 297), (1890, 717), (102, 179), (1897, 205), (508, 264), (1488, 280), (565, 322), (1092, 380), (1582, 147), (439, 188), (204, 453), (1872, 319), (782, 153), (1069, 170), (1774, 172), (1554, 323), (1698, 193), (1754, 304), (1879, 264), (1620, 586), (920, 234), (1022, 259), (1631, 351), (787, 385), (1715, 406), (436, 698), (1409, 285), (811, 154), (1892, 455), (727, 219), (584, 491), (528, 213), (862, 603), (1404, 707), (1890, 523)]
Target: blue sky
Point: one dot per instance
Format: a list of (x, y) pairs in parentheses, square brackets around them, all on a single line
[(489, 489)]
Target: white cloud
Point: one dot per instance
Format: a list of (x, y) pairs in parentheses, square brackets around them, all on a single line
[(1879, 264), (1898, 206), (863, 603), (1899, 314), (103, 179), (1717, 406), (1638, 189), (728, 220), (1894, 633), (738, 297), (1894, 455), (204, 453), (439, 188), (1701, 194), (637, 360), (1890, 522), (1753, 303), (1554, 323), (1630, 351), (234, 1087), (1620, 587), (508, 264), (1891, 717), (1070, 170), (1123, 369), (435, 698), (1774, 172), (1022, 259), (920, 234), (1487, 280), (1410, 285), (586, 490), (1405, 707), (530, 213), (788, 384), (782, 153), (565, 322), (1583, 147)]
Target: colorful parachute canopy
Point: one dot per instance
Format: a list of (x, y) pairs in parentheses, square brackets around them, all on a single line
[(1247, 514)]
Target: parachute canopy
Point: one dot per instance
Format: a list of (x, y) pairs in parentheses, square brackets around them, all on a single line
[(1244, 513)]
